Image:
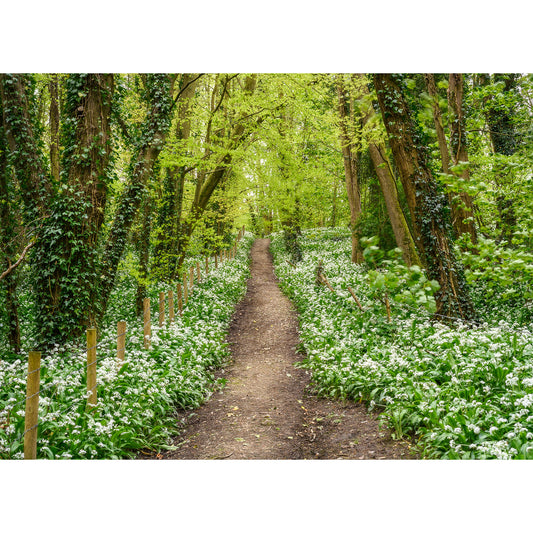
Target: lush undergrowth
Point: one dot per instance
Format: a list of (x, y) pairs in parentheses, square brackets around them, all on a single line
[(464, 391), (137, 400)]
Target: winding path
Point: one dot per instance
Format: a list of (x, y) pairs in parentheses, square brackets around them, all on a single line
[(265, 410)]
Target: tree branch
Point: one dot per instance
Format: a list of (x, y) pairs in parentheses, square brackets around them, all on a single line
[(20, 259)]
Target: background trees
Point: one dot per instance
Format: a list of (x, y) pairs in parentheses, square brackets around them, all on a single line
[(99, 171)]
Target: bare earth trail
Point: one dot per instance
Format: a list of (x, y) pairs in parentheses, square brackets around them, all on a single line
[(265, 411)]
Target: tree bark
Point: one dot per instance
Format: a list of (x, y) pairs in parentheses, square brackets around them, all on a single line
[(504, 141), (54, 127), (462, 206), (426, 204), (378, 154), (155, 129), (349, 153), (7, 247)]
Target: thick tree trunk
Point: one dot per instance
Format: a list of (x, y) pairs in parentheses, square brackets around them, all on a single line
[(34, 182), (426, 204), (7, 247), (349, 153)]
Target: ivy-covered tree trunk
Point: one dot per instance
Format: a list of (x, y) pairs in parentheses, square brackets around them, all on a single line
[(378, 154), (426, 203), (349, 153), (159, 89), (54, 126), (141, 241), (7, 247)]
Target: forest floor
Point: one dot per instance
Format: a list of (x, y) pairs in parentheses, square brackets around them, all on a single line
[(266, 409)]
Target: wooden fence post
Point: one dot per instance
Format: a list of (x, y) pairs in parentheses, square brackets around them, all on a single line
[(121, 340), (31, 418), (161, 309), (216, 260), (387, 308), (147, 323), (180, 301), (191, 276), (171, 306), (198, 275), (185, 291), (91, 368), (206, 265)]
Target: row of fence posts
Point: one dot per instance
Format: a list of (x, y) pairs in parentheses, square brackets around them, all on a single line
[(31, 420)]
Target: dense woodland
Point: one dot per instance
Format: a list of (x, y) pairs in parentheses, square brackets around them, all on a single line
[(416, 189), (99, 171)]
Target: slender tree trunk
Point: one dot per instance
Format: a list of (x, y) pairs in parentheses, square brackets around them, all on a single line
[(54, 127), (462, 205), (170, 212), (504, 141), (141, 241), (432, 231), (207, 183), (156, 126), (349, 153), (378, 154)]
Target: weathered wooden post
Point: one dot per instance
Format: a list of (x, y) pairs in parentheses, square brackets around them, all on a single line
[(355, 298), (191, 277), (206, 265), (31, 418), (91, 368), (171, 306), (180, 301), (147, 323), (121, 340), (216, 260), (185, 291), (161, 309), (198, 275), (387, 307)]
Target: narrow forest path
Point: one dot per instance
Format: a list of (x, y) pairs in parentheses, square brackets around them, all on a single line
[(265, 410)]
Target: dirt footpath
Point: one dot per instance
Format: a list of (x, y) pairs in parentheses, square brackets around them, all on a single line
[(265, 411)]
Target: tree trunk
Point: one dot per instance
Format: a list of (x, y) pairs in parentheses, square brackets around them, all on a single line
[(170, 211), (462, 206), (504, 141), (378, 154), (159, 88), (7, 247), (54, 127), (349, 153), (426, 204), (141, 241), (34, 183), (207, 183)]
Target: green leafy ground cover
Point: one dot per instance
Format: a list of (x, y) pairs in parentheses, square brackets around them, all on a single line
[(465, 391), (137, 401)]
